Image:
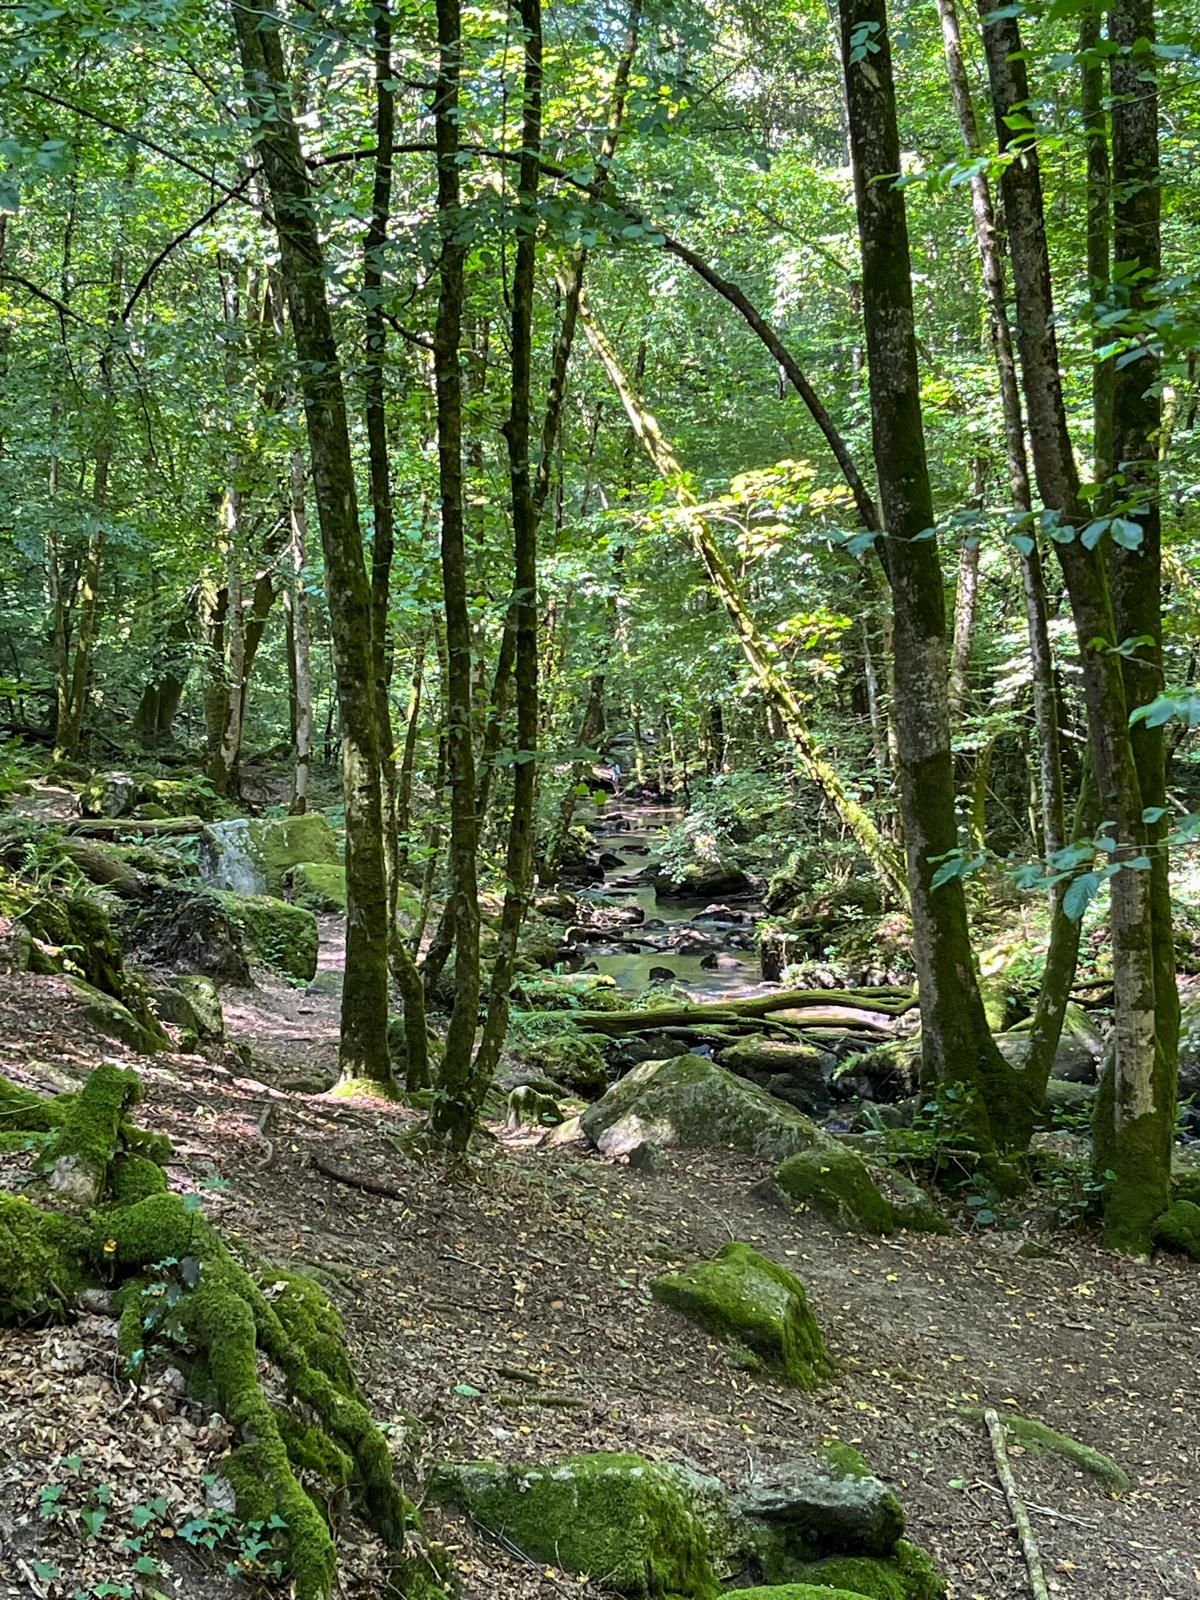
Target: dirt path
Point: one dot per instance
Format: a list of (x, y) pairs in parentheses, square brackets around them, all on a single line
[(464, 1300)]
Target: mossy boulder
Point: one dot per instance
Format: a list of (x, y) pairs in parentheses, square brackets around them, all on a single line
[(1080, 1046), (795, 1591), (693, 1103), (572, 1059), (39, 1270), (1178, 1229), (840, 1185), (115, 1020), (907, 1574), (797, 1073), (753, 1302), (190, 1001), (278, 934), (320, 886), (120, 794), (708, 880), (641, 1527), (255, 855)]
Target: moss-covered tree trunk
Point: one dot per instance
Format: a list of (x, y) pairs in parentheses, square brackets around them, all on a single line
[(363, 1052), (957, 1044), (450, 1120), (1134, 1121)]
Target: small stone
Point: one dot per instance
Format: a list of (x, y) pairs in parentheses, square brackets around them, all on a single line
[(647, 1157)]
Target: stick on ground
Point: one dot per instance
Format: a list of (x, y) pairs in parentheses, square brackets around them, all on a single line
[(1029, 1545)]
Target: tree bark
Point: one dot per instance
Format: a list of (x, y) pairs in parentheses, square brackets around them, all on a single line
[(363, 1052), (957, 1046)]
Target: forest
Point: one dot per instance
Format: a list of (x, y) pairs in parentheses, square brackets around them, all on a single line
[(599, 799)]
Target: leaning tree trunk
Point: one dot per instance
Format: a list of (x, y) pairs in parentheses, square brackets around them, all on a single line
[(957, 1045), (363, 1053), (1134, 1120)]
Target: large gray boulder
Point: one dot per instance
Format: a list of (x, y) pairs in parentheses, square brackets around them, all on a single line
[(693, 1103)]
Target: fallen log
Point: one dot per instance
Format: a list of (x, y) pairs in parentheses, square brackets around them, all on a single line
[(731, 1011), (112, 827)]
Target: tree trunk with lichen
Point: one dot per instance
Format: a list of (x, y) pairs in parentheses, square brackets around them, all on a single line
[(957, 1045), (363, 1051)]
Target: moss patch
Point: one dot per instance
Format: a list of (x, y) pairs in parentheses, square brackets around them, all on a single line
[(281, 935), (1179, 1228), (90, 1132), (1035, 1435), (320, 886), (39, 1270), (745, 1297), (644, 1527), (572, 1059), (909, 1574)]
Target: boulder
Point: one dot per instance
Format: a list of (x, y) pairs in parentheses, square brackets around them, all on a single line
[(280, 935), (840, 1185), (1067, 1101), (121, 794), (825, 1509), (1178, 1229), (556, 904), (1080, 1047), (253, 855), (648, 1158), (693, 1103), (190, 1001), (708, 880), (192, 930), (643, 1527), (797, 1073), (319, 886), (907, 1574), (572, 1059), (661, 975), (746, 1298), (114, 1020)]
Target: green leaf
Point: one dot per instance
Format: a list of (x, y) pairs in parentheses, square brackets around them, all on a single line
[(1079, 895), (467, 1389)]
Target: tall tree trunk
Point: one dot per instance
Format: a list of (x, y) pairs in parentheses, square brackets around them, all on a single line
[(363, 1053), (518, 862), (408, 760), (1134, 1120), (403, 966), (447, 1120), (301, 663), (957, 1046)]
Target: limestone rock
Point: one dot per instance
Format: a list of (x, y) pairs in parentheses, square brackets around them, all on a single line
[(319, 886), (191, 1002), (743, 1296), (254, 855), (109, 1017), (797, 1073), (1179, 1229), (825, 1510), (693, 1103), (280, 935)]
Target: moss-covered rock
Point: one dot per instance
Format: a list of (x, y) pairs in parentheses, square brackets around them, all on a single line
[(192, 1002), (908, 1574), (282, 936), (797, 1073), (807, 1509), (320, 886), (120, 794), (642, 1527), (90, 1132), (839, 1184), (572, 1059), (795, 1591), (744, 1297), (255, 855), (39, 1262), (115, 1020), (694, 1103), (1179, 1229)]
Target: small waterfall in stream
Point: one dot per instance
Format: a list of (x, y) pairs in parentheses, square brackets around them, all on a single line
[(227, 859)]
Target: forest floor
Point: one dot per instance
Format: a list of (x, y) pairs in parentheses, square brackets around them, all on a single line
[(471, 1305)]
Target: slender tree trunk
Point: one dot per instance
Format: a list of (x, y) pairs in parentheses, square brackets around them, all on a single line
[(364, 1044), (1135, 1119), (408, 761), (957, 1046), (298, 611), (447, 1121), (518, 865)]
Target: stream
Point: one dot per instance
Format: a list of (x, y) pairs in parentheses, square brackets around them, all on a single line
[(708, 948)]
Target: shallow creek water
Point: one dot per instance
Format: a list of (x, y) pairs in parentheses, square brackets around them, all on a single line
[(646, 945)]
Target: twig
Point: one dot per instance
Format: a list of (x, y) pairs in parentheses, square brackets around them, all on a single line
[(507, 1544), (357, 1180), (1029, 1546), (264, 1118), (1048, 1511)]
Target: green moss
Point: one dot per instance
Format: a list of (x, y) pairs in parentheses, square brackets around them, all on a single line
[(39, 1261), (1179, 1228), (310, 1318), (115, 1020), (843, 1460), (743, 1296), (838, 1184), (31, 1113), (642, 1527), (192, 1002), (909, 1574), (364, 1089), (320, 886), (1187, 1184), (572, 1059), (144, 1142), (1036, 1435), (310, 1449), (133, 1178), (796, 1591), (16, 1141), (90, 1133), (281, 935)]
